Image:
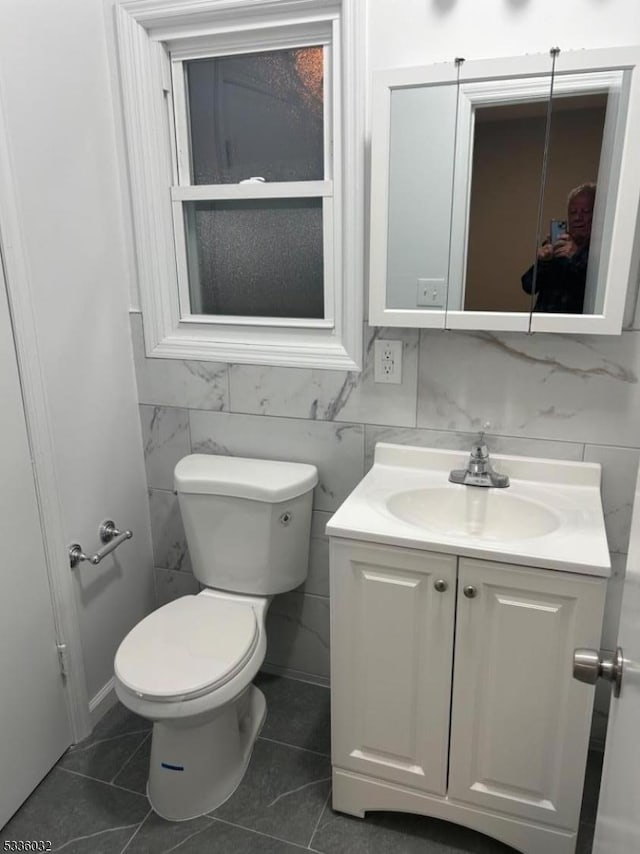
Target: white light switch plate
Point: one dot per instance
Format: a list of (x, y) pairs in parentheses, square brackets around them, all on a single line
[(431, 293)]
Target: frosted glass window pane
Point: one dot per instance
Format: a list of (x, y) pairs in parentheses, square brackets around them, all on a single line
[(256, 258), (258, 114)]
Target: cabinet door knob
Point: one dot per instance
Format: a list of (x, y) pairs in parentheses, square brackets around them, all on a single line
[(470, 591), (441, 585)]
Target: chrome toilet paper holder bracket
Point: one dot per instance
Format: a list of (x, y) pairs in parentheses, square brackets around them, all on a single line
[(109, 535)]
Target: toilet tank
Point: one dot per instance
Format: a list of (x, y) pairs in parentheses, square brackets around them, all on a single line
[(247, 522)]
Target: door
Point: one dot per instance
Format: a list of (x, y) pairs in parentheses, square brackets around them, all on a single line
[(67, 265), (392, 614), (618, 821), (520, 724), (34, 722)]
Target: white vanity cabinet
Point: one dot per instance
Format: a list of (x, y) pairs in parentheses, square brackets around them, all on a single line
[(392, 649), (452, 690)]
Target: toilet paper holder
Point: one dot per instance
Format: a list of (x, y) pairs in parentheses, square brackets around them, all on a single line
[(109, 535)]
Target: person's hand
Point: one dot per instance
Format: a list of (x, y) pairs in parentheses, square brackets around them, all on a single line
[(564, 247), (545, 252)]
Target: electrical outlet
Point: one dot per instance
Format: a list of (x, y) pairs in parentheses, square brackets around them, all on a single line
[(387, 361)]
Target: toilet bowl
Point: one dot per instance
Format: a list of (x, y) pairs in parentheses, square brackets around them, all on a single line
[(189, 665)]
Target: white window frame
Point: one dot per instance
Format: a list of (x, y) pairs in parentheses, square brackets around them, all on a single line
[(153, 35)]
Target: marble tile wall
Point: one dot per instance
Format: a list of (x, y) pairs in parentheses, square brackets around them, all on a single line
[(569, 397)]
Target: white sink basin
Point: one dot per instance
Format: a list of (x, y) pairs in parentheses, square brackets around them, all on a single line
[(489, 514), (550, 516)]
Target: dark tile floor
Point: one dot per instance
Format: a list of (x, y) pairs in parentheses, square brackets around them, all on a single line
[(93, 801)]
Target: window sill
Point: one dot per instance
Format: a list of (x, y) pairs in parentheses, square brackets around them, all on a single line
[(319, 348)]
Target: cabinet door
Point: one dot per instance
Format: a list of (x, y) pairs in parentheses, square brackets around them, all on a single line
[(391, 654), (520, 722)]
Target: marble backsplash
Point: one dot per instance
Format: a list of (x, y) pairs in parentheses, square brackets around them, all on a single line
[(568, 397)]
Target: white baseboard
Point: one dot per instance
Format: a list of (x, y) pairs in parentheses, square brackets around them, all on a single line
[(104, 700)]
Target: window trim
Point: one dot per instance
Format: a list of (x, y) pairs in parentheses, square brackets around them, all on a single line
[(145, 30)]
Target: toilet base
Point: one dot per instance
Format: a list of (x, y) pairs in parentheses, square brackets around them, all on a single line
[(196, 768)]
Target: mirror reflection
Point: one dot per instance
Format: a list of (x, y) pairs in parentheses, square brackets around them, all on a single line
[(505, 269), (557, 279)]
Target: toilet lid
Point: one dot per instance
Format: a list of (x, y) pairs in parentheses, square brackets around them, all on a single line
[(187, 648)]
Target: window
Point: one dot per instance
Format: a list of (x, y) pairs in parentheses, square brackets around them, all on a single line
[(245, 139), (250, 132)]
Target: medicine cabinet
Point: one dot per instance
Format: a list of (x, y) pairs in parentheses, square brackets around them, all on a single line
[(475, 163)]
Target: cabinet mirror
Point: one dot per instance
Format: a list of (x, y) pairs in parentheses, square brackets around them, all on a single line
[(505, 193)]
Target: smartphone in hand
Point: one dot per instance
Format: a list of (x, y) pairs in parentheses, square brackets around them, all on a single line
[(558, 227)]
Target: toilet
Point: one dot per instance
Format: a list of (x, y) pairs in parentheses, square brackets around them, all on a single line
[(188, 666)]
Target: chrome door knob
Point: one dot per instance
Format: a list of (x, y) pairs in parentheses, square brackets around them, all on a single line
[(470, 591), (441, 585), (589, 665)]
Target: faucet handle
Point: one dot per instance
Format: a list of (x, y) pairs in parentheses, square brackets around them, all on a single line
[(485, 426), (479, 449), (480, 442)]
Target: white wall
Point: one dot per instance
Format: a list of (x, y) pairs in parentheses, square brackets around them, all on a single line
[(412, 32), (56, 100)]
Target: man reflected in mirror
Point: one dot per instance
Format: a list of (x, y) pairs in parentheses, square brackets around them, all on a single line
[(561, 268)]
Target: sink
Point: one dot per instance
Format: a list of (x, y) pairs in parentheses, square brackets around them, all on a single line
[(549, 517), (473, 511)]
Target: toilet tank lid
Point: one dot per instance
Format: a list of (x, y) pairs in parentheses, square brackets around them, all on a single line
[(240, 477)]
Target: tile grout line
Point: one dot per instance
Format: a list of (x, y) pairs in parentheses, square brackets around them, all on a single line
[(77, 748), (294, 746), (104, 782), (418, 371), (136, 831), (317, 825), (388, 426), (228, 374), (259, 832), (139, 747)]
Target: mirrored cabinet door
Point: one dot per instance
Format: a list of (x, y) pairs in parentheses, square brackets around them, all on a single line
[(586, 276), (419, 211), (505, 193), (412, 165), (501, 139)]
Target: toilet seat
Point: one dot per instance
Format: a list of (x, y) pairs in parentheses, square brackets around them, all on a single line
[(187, 648)]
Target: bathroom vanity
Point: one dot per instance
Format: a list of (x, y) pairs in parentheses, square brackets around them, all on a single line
[(455, 611)]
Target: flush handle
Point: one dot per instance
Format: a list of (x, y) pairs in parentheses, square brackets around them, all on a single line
[(589, 665)]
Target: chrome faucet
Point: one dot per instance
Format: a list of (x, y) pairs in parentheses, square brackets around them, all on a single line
[(479, 471)]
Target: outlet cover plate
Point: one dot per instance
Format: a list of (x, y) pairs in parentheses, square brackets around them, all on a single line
[(387, 361)]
